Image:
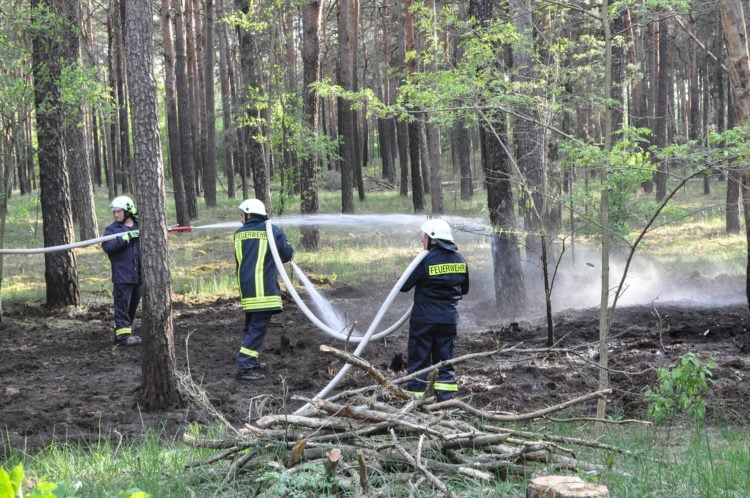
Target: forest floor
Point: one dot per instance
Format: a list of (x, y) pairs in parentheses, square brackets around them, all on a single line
[(61, 379)]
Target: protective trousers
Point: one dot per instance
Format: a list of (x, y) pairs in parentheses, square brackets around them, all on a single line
[(126, 300), (256, 325), (431, 343)]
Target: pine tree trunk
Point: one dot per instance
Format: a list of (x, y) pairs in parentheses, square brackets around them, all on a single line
[(510, 289), (229, 135), (310, 73), (347, 117), (209, 124), (158, 363), (662, 102), (183, 109), (60, 270), (170, 104), (251, 147)]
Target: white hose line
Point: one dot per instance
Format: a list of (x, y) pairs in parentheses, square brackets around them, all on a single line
[(65, 247), (336, 334), (343, 336), (386, 304)]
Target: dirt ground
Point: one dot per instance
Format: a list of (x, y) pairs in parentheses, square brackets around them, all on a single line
[(61, 378)]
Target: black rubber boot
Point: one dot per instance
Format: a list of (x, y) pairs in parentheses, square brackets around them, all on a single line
[(249, 375), (128, 340)]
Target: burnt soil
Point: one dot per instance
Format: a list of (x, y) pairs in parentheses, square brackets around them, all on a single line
[(61, 379)]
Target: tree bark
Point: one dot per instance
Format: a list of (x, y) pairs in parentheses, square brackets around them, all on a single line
[(209, 124), (158, 363), (125, 166), (60, 270), (347, 117), (662, 101), (229, 135), (183, 109), (250, 79), (735, 24), (170, 104), (310, 73), (415, 128), (76, 143), (510, 289)]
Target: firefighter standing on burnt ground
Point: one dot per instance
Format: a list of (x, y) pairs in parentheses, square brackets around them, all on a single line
[(258, 281), (440, 280), (125, 258)]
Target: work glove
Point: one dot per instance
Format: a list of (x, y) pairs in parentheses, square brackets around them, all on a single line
[(127, 236)]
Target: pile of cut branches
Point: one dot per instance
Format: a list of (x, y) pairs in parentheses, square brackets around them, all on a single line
[(382, 430)]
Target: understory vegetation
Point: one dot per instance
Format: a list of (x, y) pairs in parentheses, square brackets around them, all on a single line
[(672, 457)]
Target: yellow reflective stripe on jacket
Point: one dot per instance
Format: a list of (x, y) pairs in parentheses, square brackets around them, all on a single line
[(249, 352), (260, 286), (416, 394), (123, 331), (446, 268), (261, 303), (238, 256), (446, 387)]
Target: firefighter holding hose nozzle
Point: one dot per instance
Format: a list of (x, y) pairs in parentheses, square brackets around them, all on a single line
[(258, 282), (125, 258), (440, 280)]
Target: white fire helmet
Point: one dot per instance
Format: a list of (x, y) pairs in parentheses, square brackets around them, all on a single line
[(125, 203), (253, 206), (437, 229)]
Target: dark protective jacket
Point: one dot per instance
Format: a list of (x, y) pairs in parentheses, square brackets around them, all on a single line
[(256, 271), (125, 257), (440, 280)]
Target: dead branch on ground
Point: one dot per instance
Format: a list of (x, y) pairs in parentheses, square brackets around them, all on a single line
[(381, 430)]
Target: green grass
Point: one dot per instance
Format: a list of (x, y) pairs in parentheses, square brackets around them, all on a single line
[(202, 262), (713, 462), (706, 463)]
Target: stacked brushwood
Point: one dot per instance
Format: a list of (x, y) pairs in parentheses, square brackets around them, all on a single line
[(382, 429)]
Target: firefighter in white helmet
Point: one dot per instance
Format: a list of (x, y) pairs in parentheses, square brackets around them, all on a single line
[(439, 282), (258, 282), (124, 254)]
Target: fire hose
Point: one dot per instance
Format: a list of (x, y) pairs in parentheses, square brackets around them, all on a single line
[(84, 243), (370, 331)]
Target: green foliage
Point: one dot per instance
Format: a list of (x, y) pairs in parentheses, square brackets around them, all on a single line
[(628, 165), (309, 481), (11, 486), (680, 387)]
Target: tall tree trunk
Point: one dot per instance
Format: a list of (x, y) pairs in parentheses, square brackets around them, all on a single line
[(386, 126), (170, 104), (76, 144), (415, 129), (527, 136), (229, 135), (125, 166), (311, 20), (251, 79), (347, 117), (195, 90), (60, 270), (113, 130), (460, 140), (605, 315), (184, 110), (158, 363), (402, 128), (209, 162), (510, 290), (432, 131), (662, 119), (734, 20)]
